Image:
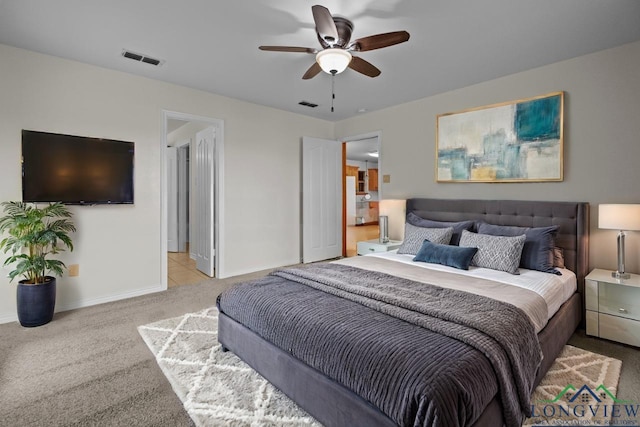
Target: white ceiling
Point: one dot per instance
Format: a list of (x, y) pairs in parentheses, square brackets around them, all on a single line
[(213, 45), (359, 150)]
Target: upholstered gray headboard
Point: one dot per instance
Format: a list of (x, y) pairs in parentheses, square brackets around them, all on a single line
[(572, 219)]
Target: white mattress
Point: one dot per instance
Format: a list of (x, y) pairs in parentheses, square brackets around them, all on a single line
[(554, 289)]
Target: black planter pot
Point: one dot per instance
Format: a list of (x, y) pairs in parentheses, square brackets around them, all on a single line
[(36, 302)]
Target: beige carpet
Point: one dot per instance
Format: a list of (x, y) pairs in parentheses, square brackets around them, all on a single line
[(219, 389)]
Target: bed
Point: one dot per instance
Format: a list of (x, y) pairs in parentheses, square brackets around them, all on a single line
[(339, 396)]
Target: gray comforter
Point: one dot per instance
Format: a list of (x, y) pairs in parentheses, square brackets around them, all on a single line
[(422, 354)]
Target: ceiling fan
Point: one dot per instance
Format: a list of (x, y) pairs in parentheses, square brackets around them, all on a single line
[(334, 33)]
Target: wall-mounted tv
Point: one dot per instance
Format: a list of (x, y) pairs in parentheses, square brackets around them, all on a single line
[(75, 169)]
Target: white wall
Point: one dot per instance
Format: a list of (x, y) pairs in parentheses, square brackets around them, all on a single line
[(118, 247), (602, 140)]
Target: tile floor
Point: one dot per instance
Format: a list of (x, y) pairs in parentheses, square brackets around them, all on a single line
[(182, 270)]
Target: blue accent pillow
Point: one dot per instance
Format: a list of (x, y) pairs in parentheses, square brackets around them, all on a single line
[(414, 219), (539, 244), (453, 256)]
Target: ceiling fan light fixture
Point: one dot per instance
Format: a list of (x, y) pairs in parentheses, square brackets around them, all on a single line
[(333, 60)]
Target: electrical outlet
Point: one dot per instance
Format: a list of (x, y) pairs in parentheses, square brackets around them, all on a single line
[(386, 179), (74, 270)]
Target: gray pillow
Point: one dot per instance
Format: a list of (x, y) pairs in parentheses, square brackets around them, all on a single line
[(415, 236), (537, 253), (429, 223), (495, 252)]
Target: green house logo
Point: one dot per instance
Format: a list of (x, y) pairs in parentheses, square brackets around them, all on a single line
[(585, 393), (586, 405)]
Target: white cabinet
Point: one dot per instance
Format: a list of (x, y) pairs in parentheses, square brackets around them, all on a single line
[(613, 307)]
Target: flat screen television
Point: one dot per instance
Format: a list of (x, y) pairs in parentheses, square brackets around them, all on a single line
[(76, 170)]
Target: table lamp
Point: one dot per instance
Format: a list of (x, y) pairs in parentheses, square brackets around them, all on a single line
[(383, 222), (622, 218), (394, 211)]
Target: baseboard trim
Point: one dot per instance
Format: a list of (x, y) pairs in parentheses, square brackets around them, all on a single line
[(244, 271), (72, 305), (7, 318)]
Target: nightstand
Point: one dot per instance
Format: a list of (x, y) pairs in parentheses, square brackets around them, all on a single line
[(613, 307), (371, 246)]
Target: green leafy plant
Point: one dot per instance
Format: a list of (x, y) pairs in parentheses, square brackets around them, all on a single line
[(34, 235)]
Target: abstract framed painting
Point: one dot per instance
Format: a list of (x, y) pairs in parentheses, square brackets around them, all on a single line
[(515, 141)]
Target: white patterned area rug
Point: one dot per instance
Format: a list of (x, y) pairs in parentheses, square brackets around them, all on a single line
[(220, 389), (216, 388)]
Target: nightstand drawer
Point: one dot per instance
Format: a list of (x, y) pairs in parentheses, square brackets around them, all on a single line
[(619, 329), (617, 300)]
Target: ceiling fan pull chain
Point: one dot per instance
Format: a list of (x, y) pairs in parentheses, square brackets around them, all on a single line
[(333, 89)]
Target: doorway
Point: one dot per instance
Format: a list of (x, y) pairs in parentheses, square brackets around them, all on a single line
[(182, 268), (192, 198), (362, 193)]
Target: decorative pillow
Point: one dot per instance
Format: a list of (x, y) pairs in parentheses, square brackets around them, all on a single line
[(538, 245), (429, 223), (495, 252), (558, 257), (453, 256), (414, 236)]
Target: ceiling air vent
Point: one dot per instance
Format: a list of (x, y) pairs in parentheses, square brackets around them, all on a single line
[(308, 104), (141, 58)]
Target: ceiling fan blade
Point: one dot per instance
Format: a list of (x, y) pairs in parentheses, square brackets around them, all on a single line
[(364, 67), (288, 49), (312, 71), (379, 41), (325, 27)]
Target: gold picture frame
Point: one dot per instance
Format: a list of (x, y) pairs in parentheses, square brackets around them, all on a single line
[(514, 141)]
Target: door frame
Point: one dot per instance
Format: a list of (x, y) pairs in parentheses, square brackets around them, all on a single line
[(219, 198), (344, 140)]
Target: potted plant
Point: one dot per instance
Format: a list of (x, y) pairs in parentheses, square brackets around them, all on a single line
[(33, 236)]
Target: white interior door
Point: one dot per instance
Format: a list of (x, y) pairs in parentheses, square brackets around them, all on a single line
[(172, 199), (321, 199), (203, 170)]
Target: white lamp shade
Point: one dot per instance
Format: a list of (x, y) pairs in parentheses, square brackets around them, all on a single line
[(395, 210), (333, 59), (619, 217)]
